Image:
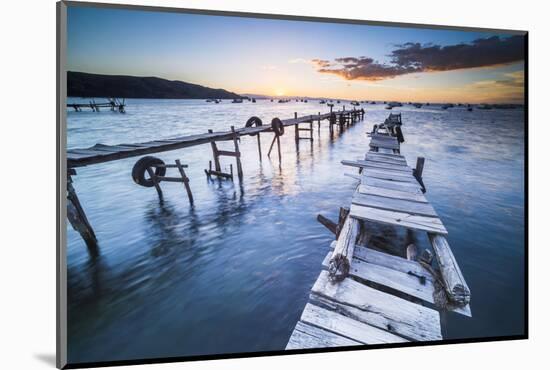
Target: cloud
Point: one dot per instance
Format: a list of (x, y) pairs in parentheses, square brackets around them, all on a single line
[(299, 60), (415, 57), (321, 63)]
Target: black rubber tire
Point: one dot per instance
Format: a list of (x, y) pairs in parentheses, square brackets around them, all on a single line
[(140, 169), (253, 121), (277, 126)]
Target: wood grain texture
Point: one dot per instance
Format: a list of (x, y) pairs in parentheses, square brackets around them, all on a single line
[(416, 222), (308, 336), (390, 204), (380, 309)]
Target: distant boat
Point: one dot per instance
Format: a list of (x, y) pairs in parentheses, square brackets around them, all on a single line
[(484, 106), (338, 101), (209, 100), (373, 102), (355, 102), (272, 100), (253, 100), (305, 100), (417, 105), (394, 104), (445, 106), (217, 101), (322, 102), (469, 109), (389, 107)]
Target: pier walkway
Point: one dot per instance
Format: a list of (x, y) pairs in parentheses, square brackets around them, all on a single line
[(366, 296)]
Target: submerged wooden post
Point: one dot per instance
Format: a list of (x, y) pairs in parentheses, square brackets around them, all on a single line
[(319, 121), (217, 165), (296, 128), (185, 180), (279, 148), (155, 182), (237, 153), (259, 147), (78, 219)]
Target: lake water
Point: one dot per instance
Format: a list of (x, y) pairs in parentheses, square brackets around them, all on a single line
[(233, 273)]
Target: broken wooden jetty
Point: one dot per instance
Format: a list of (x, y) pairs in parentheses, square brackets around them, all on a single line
[(113, 104), (150, 171), (366, 296)]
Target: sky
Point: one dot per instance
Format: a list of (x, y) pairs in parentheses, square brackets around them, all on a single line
[(299, 58)]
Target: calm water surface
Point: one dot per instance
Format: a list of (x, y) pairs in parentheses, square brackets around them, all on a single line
[(233, 273)]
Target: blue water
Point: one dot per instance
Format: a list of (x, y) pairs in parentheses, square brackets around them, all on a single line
[(233, 273)]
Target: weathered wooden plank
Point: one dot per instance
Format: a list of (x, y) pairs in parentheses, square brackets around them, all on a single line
[(429, 224), (347, 327), (377, 166), (453, 280), (390, 204), (390, 261), (386, 166), (392, 185), (388, 175), (383, 144), (343, 252), (384, 159), (308, 336), (380, 309), (388, 155), (405, 282), (389, 193)]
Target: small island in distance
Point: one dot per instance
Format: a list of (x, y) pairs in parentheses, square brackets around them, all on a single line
[(80, 84)]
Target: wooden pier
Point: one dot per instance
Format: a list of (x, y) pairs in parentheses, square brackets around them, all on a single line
[(113, 104), (367, 296), (155, 168)]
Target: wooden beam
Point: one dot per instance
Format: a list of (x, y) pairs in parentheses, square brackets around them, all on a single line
[(455, 285), (340, 261)]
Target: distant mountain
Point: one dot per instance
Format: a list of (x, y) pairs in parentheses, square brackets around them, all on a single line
[(81, 84)]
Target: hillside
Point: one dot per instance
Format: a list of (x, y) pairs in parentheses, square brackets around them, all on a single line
[(81, 84)]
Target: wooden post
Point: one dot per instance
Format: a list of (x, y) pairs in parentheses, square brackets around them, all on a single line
[(185, 181), (217, 165), (237, 153), (78, 219), (155, 182), (319, 121), (417, 172), (419, 167), (296, 128), (278, 148), (259, 147)]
